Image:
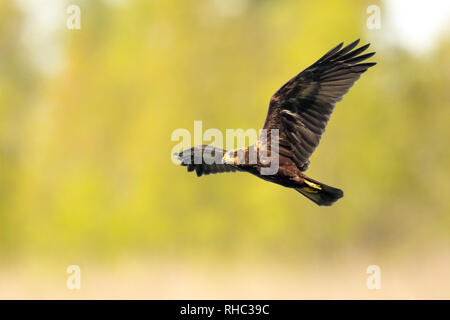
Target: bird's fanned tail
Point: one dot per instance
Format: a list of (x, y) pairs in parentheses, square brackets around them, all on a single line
[(320, 193)]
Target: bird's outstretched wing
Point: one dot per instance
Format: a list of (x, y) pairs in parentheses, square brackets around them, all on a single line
[(205, 160), (301, 108)]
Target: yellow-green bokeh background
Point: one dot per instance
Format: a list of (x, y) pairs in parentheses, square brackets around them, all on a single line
[(86, 175)]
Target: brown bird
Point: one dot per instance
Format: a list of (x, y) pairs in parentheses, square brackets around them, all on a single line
[(299, 111)]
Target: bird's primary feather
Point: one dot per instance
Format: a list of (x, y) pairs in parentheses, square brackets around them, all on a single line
[(205, 160)]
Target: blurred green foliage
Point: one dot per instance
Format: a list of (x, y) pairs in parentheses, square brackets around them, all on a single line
[(86, 166)]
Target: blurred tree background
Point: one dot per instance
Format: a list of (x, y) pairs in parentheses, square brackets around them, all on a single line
[(86, 170)]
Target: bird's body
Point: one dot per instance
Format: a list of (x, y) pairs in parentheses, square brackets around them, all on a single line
[(297, 117)]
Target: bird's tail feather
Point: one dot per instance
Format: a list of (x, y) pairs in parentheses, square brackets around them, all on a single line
[(320, 193)]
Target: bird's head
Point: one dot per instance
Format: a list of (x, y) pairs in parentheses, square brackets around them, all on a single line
[(236, 156), (230, 157)]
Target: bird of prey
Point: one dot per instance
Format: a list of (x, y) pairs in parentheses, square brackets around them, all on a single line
[(299, 110)]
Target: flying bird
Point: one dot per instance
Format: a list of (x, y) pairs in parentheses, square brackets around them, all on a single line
[(299, 110)]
